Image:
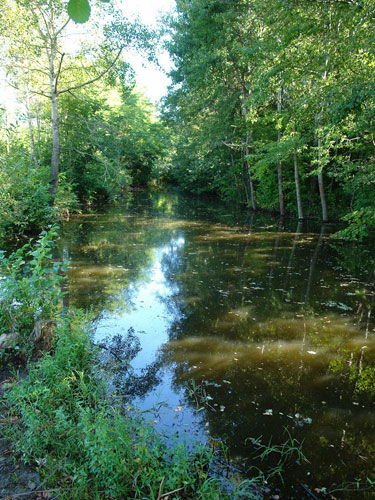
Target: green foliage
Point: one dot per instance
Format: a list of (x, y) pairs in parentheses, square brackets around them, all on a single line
[(110, 141), (79, 10), (24, 196), (265, 89), (81, 441), (361, 224), (30, 288)]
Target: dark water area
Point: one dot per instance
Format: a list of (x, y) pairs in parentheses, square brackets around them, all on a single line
[(239, 328)]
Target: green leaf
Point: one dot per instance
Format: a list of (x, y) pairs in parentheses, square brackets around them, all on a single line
[(79, 10)]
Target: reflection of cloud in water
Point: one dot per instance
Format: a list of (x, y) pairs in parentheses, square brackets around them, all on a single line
[(148, 314), (313, 342)]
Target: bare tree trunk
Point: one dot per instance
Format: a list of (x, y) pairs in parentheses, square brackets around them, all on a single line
[(247, 152), (31, 132), (251, 184), (321, 184), (298, 186), (38, 125), (320, 174), (55, 159), (279, 167)]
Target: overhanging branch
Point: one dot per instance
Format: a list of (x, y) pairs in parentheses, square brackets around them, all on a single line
[(75, 87)]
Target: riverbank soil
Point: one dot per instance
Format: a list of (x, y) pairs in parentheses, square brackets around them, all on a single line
[(17, 480)]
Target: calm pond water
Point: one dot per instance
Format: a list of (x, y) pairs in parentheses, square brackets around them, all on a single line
[(239, 327)]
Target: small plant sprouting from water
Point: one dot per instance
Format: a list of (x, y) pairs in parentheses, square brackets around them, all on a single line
[(199, 393), (290, 450)]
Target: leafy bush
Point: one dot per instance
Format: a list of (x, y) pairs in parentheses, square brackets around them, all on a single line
[(29, 287), (361, 224), (24, 196), (66, 200)]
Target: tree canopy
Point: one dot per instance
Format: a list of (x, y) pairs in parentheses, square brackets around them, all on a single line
[(273, 103)]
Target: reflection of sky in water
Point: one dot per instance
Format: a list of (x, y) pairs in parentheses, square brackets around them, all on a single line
[(151, 319)]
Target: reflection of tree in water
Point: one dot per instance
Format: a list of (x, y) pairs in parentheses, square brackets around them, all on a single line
[(298, 274), (115, 358), (252, 397)]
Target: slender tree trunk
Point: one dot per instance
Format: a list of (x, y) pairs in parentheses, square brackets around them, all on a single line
[(320, 174), (38, 125), (31, 132), (247, 151), (321, 184), (251, 184), (279, 166), (55, 158), (298, 186)]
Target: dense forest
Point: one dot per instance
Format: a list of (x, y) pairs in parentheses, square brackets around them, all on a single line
[(82, 132), (273, 104)]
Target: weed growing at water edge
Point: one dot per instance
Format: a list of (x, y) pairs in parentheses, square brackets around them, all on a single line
[(29, 290)]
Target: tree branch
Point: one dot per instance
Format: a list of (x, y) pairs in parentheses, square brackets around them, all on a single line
[(93, 79), (30, 90), (62, 28), (58, 71)]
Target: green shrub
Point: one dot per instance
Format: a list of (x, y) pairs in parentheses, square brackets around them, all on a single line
[(361, 223), (24, 196), (29, 287)]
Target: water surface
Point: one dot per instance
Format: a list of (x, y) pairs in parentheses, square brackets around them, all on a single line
[(243, 328)]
